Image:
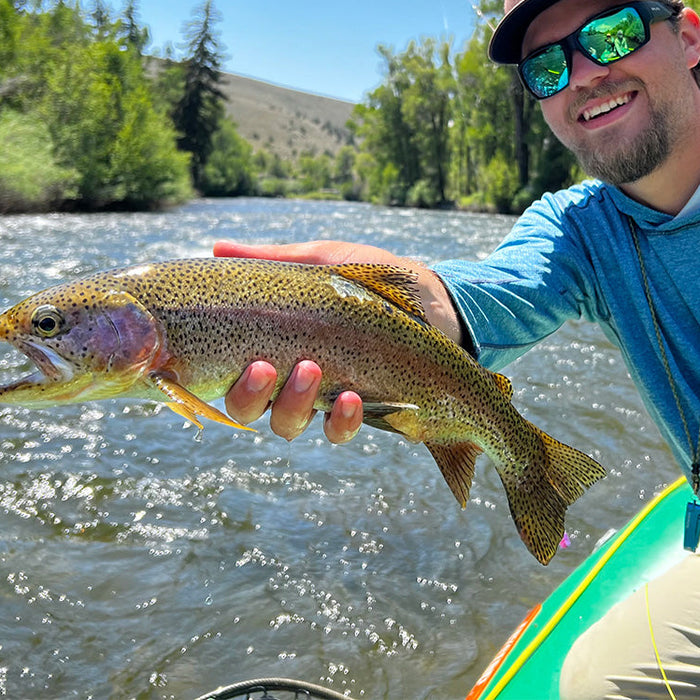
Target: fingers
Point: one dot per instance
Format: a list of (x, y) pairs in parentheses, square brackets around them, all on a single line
[(345, 418), (312, 252), (294, 407), (250, 396), (308, 252)]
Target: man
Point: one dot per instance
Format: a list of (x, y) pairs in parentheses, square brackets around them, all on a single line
[(621, 48), (620, 250)]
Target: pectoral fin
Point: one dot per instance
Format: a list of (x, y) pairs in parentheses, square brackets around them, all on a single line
[(186, 404), (375, 414)]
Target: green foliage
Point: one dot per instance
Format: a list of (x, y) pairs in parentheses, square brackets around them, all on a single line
[(134, 36), (387, 186), (168, 84), (229, 171), (387, 135), (345, 175), (427, 110), (32, 47), (104, 125), (9, 33), (483, 123), (433, 124), (443, 127), (145, 165), (84, 130), (270, 165), (315, 173), (30, 179), (83, 125), (424, 195), (500, 183), (276, 187), (84, 109)]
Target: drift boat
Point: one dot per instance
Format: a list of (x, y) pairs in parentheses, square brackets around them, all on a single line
[(529, 664)]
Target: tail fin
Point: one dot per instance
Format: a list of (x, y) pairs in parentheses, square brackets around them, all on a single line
[(570, 470), (539, 498)]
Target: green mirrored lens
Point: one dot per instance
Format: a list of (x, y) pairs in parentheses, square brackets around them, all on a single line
[(610, 38), (604, 39), (546, 73)]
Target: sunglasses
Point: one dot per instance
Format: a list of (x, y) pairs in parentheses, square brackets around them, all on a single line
[(604, 39)]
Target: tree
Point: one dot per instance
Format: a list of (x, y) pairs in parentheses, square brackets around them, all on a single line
[(427, 109), (405, 125), (104, 126), (229, 171), (135, 36), (386, 136), (345, 177), (483, 126), (200, 109), (30, 179), (315, 172), (9, 34), (101, 18)]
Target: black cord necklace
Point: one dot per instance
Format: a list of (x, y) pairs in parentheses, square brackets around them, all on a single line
[(692, 513)]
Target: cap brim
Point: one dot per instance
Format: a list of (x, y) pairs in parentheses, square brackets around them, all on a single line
[(507, 41)]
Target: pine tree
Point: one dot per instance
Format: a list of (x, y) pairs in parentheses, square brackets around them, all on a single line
[(198, 113), (135, 36), (100, 17)]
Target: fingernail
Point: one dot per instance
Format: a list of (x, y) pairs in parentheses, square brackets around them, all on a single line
[(348, 410), (256, 381), (303, 379)]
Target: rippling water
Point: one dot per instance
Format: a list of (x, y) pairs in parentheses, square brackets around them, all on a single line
[(136, 561)]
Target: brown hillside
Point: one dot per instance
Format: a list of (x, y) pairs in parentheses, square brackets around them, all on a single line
[(284, 121)]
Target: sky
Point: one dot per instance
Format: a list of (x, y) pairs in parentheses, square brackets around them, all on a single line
[(325, 47)]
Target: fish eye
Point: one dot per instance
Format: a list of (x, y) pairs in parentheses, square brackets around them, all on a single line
[(47, 321)]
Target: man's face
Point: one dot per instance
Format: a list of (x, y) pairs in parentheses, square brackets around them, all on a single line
[(624, 119)]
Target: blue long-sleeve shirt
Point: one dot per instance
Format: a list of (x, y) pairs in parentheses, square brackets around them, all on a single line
[(572, 255)]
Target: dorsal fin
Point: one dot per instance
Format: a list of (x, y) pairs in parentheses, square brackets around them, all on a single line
[(395, 284)]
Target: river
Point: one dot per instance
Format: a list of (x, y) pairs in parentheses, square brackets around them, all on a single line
[(139, 561)]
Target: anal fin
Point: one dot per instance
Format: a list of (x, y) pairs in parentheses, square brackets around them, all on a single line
[(456, 462), (187, 405)]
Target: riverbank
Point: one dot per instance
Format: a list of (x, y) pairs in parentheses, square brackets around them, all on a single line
[(15, 202)]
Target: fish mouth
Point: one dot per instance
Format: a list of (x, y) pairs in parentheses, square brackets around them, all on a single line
[(50, 366)]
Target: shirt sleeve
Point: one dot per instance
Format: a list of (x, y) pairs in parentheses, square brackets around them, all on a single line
[(536, 279)]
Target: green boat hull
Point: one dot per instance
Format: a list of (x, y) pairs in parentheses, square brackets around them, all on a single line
[(529, 665)]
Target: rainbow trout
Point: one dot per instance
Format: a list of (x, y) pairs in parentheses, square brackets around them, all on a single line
[(183, 331)]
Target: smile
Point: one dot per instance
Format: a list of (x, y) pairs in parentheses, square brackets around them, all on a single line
[(606, 107)]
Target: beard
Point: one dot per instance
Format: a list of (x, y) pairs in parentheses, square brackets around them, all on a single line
[(622, 162), (629, 162)]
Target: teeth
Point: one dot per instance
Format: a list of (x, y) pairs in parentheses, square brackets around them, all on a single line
[(605, 107)]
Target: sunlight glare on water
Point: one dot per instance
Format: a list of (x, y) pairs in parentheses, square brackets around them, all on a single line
[(136, 561)]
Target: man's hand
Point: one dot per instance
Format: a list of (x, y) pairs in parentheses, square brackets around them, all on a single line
[(293, 409)]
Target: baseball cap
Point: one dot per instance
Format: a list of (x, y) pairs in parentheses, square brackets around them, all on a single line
[(507, 41)]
